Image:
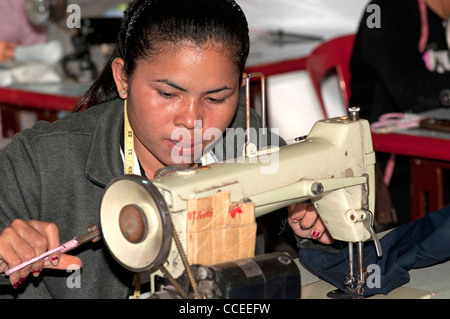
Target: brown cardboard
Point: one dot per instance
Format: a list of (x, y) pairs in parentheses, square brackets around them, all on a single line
[(219, 230)]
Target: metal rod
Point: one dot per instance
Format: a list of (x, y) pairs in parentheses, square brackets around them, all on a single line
[(350, 260), (361, 271), (263, 101), (247, 106), (350, 279)]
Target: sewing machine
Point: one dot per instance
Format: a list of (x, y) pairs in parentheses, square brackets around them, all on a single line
[(144, 222)]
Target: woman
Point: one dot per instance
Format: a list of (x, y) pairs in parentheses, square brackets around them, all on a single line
[(178, 66)]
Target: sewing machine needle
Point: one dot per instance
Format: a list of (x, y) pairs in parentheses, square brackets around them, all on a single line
[(93, 235)]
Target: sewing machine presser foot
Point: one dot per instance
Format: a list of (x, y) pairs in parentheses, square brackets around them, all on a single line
[(355, 283)]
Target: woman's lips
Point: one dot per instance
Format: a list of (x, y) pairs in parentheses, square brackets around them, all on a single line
[(184, 149)]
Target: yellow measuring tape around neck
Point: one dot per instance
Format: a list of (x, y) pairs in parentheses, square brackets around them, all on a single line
[(128, 144), (128, 154)]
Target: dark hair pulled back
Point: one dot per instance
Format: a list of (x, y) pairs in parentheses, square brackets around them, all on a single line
[(148, 25)]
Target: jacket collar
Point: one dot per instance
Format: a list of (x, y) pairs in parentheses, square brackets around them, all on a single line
[(104, 161)]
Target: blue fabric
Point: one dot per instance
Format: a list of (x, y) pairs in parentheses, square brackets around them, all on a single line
[(418, 244)]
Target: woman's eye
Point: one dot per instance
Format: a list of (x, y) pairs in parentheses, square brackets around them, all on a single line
[(215, 101), (165, 94)]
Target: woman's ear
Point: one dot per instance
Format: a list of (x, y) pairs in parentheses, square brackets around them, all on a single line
[(120, 77)]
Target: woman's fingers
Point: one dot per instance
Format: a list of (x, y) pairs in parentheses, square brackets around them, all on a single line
[(10, 244), (310, 218), (51, 233), (306, 222), (24, 240), (65, 262)]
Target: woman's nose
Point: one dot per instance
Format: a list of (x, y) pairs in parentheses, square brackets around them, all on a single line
[(189, 115)]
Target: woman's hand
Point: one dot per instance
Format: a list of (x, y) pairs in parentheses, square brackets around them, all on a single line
[(24, 240), (306, 223)]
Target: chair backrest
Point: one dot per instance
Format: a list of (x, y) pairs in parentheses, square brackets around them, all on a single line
[(333, 54)]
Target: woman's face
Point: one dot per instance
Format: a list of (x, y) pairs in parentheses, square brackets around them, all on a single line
[(179, 102)]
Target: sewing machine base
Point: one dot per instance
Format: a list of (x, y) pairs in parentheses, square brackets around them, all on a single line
[(322, 290), (268, 276)]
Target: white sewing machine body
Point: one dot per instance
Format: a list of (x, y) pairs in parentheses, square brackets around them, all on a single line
[(337, 154), (333, 168)]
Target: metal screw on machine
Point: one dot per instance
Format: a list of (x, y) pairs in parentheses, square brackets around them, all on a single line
[(285, 260), (353, 113), (317, 188)]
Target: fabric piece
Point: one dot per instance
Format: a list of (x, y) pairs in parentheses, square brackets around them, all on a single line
[(419, 244)]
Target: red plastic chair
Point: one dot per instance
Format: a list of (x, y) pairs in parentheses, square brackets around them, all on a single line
[(331, 55)]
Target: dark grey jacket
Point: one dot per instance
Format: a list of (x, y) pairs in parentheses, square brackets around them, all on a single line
[(57, 172)]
